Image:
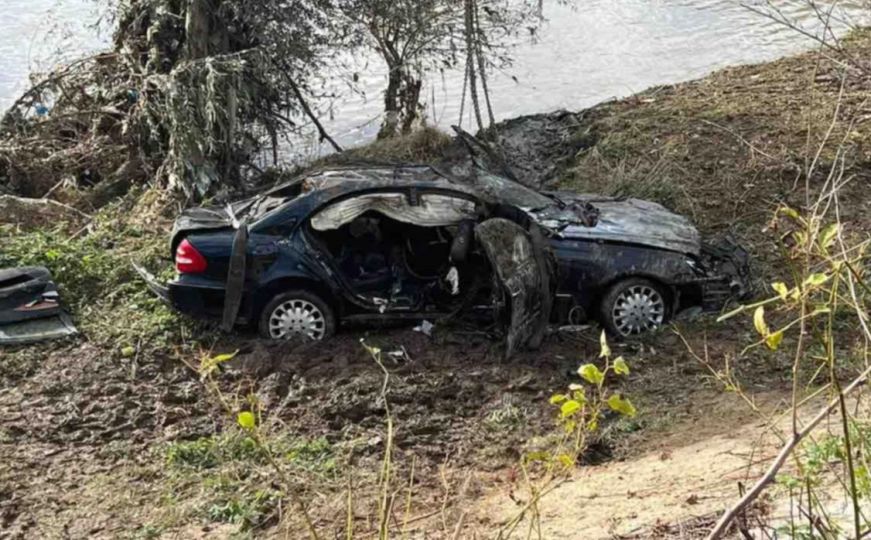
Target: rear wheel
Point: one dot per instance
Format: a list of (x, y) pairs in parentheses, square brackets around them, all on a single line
[(634, 307), (297, 313)]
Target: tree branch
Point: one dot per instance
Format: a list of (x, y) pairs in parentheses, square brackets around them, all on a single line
[(322, 133), (729, 515)]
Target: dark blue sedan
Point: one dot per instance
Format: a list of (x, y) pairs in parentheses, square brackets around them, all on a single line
[(412, 242)]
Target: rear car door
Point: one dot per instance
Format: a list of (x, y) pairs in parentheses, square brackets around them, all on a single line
[(524, 279)]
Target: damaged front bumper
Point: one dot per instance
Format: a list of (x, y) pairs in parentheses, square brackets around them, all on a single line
[(723, 275)]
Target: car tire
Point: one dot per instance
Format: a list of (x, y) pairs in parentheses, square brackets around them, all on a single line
[(297, 313), (634, 307)]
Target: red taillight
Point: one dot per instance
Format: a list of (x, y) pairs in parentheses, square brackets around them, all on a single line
[(188, 260)]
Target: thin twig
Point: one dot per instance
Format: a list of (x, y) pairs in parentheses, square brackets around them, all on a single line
[(729, 515)]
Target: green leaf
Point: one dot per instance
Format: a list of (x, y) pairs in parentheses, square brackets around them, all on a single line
[(828, 235), (759, 322), (773, 340), (569, 408), (800, 238), (787, 211), (815, 280), (558, 398), (591, 374), (373, 351), (621, 405), (620, 366), (221, 358), (566, 460), (537, 455), (593, 424), (781, 289), (246, 420), (605, 350), (128, 351)]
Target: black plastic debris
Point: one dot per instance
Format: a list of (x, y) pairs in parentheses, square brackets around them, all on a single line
[(30, 307)]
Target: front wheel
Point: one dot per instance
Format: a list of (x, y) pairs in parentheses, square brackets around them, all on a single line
[(633, 307), (297, 313)]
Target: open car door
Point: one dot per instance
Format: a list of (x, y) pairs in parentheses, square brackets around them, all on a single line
[(524, 277)]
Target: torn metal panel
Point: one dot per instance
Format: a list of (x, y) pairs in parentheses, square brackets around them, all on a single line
[(330, 178), (546, 271), (36, 330), (30, 309), (235, 279), (152, 283), (431, 210), (27, 293), (520, 270)]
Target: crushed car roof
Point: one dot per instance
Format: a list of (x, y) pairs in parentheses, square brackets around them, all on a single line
[(565, 214)]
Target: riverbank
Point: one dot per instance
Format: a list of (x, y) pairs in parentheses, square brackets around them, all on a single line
[(123, 411)]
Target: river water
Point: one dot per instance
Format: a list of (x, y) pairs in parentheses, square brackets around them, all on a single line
[(593, 51)]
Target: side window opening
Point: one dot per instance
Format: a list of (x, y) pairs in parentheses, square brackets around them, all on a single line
[(397, 255)]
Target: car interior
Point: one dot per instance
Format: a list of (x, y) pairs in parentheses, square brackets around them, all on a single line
[(395, 264), (403, 267)]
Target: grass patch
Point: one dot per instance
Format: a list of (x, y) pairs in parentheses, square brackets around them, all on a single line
[(239, 505), (315, 455), (227, 478), (424, 145), (311, 455), (210, 452), (507, 416), (93, 272)]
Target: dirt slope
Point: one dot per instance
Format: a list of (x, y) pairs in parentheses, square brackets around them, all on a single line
[(689, 470)]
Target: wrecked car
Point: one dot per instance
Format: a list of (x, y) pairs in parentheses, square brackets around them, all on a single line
[(373, 243)]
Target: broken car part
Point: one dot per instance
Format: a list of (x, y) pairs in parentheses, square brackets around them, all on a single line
[(30, 308)]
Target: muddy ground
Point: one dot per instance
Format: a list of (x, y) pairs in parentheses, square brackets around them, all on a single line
[(87, 431), (84, 437), (80, 426)]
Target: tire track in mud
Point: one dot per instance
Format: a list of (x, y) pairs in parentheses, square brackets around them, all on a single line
[(82, 431)]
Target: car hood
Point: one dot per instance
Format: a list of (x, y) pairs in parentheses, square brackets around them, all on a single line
[(635, 221)]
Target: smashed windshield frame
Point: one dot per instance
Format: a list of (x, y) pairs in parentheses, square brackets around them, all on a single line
[(256, 207), (502, 189)]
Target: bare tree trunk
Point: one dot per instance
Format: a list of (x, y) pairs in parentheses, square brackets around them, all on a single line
[(470, 63), (481, 64), (410, 102), (197, 26), (391, 102)]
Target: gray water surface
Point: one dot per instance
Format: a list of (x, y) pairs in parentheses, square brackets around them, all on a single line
[(596, 50)]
